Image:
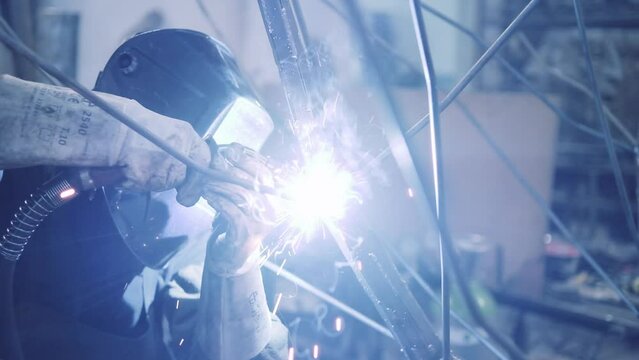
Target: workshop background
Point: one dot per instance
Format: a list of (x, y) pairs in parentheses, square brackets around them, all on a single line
[(529, 280)]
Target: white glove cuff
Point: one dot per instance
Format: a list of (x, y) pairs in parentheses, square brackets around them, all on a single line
[(251, 262), (234, 319), (122, 131)]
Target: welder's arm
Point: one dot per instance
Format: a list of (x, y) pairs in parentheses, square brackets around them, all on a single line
[(184, 308), (234, 321), (49, 125)]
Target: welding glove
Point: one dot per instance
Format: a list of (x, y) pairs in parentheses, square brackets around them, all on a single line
[(235, 321), (50, 125), (245, 217)]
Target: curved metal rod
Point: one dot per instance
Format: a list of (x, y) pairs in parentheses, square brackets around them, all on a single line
[(437, 166), (476, 68), (614, 160)]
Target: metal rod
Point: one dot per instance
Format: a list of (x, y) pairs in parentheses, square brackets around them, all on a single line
[(390, 295), (517, 74), (509, 163), (431, 293), (328, 298), (447, 245), (288, 52), (568, 311), (401, 151), (559, 75), (539, 199), (481, 62), (520, 77), (380, 281), (301, 23), (614, 160), (437, 163), (17, 46), (510, 68), (398, 143)]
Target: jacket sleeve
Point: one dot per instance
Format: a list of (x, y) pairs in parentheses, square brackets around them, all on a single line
[(50, 125), (182, 314)]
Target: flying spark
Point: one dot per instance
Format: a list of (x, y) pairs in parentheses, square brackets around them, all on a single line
[(339, 324), (277, 303)]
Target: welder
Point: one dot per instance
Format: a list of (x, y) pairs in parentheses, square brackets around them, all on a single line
[(210, 309)]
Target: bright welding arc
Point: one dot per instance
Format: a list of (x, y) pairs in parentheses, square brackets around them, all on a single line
[(319, 193)]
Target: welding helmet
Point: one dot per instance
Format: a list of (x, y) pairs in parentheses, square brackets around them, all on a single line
[(190, 76)]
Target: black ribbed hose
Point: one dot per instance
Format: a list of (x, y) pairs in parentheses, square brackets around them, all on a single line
[(26, 220)]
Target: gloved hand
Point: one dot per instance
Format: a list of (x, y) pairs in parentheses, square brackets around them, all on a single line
[(245, 217), (50, 125)]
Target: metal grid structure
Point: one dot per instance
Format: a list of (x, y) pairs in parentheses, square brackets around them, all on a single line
[(399, 149)]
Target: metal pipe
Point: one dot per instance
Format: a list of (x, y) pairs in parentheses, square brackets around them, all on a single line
[(437, 164), (288, 51), (380, 281), (614, 160), (568, 311), (397, 141), (301, 23)]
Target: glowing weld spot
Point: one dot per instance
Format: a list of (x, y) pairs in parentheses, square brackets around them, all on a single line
[(410, 192), (181, 342), (319, 193), (339, 324), (315, 351), (177, 304), (359, 265), (67, 193), (291, 353), (277, 303)]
